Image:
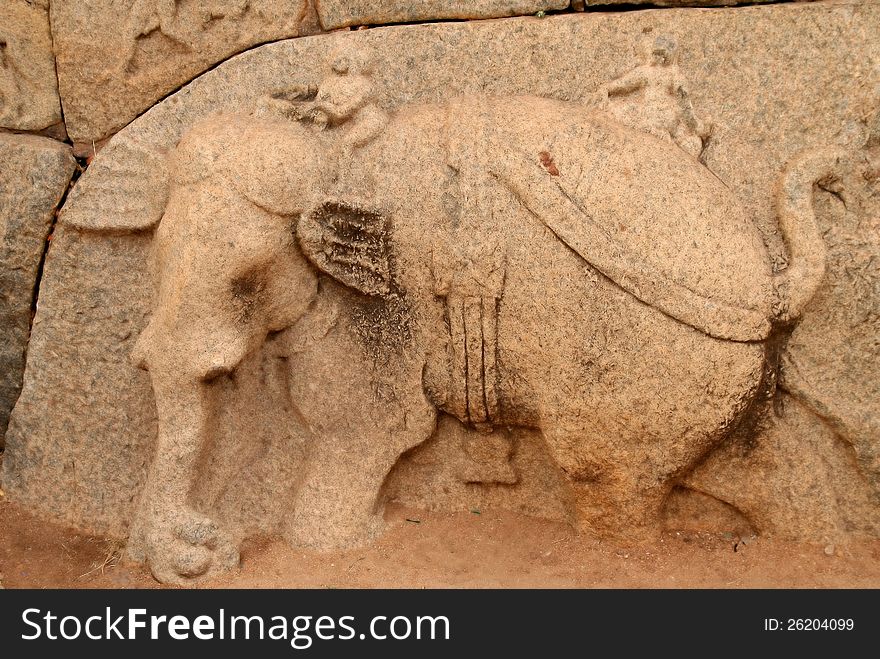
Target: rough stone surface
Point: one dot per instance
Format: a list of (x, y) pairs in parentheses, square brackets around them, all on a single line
[(33, 179), (829, 373), (657, 249), (116, 58), (335, 14), (28, 87), (773, 478), (344, 13)]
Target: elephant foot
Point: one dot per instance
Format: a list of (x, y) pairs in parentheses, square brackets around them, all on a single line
[(324, 530), (186, 547)]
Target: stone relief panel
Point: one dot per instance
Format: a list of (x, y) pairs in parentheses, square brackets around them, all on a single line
[(34, 177), (116, 58), (828, 376), (28, 87), (485, 273)]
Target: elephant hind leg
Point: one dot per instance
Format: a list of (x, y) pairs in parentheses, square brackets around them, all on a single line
[(619, 507), (615, 493)]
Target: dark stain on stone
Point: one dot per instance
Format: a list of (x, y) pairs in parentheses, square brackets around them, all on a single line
[(548, 164)]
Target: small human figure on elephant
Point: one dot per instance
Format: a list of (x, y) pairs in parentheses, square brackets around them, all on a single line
[(341, 106), (655, 98)]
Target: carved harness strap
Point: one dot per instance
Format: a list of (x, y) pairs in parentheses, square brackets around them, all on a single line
[(473, 326), (469, 273)]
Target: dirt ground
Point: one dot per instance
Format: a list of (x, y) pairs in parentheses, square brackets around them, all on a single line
[(456, 550)]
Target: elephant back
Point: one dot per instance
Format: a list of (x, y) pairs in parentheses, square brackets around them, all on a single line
[(639, 209), (646, 214)]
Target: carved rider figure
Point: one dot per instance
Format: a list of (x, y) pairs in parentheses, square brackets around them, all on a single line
[(344, 106), (654, 97)]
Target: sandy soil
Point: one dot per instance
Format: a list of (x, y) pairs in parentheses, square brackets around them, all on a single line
[(456, 550)]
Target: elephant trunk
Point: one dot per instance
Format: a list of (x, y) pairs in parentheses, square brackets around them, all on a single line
[(183, 407), (183, 410), (797, 284)]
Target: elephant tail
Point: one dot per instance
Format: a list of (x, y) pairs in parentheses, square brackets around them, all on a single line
[(797, 284)]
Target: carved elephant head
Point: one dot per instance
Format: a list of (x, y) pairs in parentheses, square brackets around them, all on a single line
[(229, 270)]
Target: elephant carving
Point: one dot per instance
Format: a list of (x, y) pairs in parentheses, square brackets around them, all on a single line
[(512, 261)]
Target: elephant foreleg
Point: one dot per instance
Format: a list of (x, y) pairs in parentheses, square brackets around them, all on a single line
[(361, 418), (338, 503)]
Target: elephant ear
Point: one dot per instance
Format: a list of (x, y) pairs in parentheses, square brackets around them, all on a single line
[(125, 189), (350, 244)]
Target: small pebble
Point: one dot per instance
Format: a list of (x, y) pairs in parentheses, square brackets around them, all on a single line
[(829, 550)]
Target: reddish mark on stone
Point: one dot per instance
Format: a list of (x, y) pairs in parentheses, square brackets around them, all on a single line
[(549, 165)]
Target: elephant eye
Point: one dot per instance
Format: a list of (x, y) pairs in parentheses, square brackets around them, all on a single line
[(245, 290), (246, 286)]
